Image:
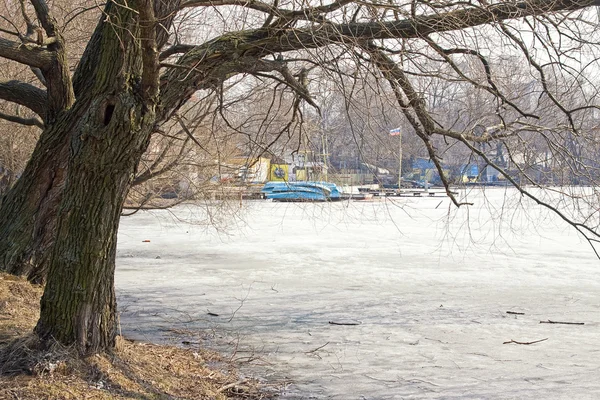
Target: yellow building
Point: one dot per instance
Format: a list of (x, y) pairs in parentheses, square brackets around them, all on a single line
[(279, 172)]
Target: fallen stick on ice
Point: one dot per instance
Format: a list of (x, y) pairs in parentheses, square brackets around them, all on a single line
[(344, 323), (563, 323), (515, 342)]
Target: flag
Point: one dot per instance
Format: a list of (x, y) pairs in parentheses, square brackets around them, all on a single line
[(395, 132)]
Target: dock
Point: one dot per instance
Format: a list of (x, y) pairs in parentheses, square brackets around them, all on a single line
[(412, 192)]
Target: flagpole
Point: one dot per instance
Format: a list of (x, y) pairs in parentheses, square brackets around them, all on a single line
[(398, 132), (400, 162)]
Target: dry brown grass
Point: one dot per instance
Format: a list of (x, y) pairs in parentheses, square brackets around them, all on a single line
[(131, 371)]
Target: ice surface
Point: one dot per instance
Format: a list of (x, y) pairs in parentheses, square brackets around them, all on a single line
[(428, 284)]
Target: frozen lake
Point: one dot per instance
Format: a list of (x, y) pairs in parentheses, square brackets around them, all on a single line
[(426, 288)]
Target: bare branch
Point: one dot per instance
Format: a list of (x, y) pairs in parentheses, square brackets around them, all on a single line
[(27, 54), (421, 26), (588, 233), (424, 126), (189, 133), (43, 13), (492, 88), (150, 72), (175, 49), (284, 15), (23, 121), (254, 5), (154, 170), (24, 94), (206, 64), (30, 25), (57, 75)]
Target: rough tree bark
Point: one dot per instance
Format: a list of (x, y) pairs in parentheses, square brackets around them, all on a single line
[(29, 211), (108, 129), (110, 136)]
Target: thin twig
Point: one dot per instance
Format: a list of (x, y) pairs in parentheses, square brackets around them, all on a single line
[(515, 342), (344, 323), (318, 348), (231, 385), (515, 313), (241, 304)]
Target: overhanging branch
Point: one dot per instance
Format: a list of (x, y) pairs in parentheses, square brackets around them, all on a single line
[(203, 66), (284, 15), (423, 124), (254, 5), (420, 26)]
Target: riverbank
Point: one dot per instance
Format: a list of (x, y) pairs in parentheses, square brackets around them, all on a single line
[(135, 370)]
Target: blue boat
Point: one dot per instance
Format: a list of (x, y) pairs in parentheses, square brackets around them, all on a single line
[(301, 191)]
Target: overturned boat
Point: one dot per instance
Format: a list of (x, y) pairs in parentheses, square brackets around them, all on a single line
[(301, 191)]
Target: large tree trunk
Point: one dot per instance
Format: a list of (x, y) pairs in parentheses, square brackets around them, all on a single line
[(109, 129), (28, 210), (78, 305)]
